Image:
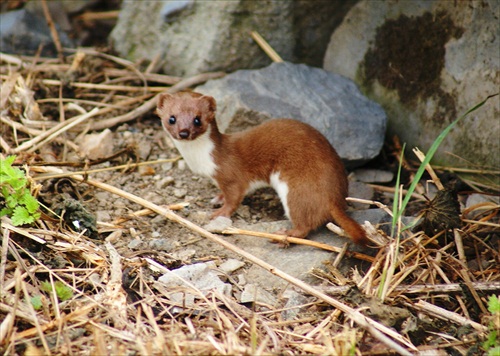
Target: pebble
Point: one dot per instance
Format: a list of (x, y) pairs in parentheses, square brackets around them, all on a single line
[(96, 146), (146, 171), (134, 244), (103, 215), (181, 164), (199, 216), (165, 182), (231, 265), (218, 224), (160, 244), (180, 192), (254, 293), (373, 175), (360, 190), (200, 275), (167, 166)]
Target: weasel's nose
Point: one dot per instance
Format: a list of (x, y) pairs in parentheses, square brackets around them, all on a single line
[(184, 133)]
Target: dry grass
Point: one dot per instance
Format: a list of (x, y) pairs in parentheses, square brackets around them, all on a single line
[(118, 307)]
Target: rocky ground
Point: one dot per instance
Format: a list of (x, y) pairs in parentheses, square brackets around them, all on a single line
[(108, 262)]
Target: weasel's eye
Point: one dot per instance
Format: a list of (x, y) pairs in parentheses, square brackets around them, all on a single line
[(172, 120), (197, 121)]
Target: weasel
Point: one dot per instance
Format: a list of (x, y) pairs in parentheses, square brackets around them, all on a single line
[(291, 156)]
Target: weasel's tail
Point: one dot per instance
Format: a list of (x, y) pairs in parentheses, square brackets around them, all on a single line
[(351, 227)]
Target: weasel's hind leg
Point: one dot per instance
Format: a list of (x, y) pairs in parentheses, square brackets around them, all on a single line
[(306, 214)]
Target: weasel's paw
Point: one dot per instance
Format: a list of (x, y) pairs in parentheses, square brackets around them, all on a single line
[(217, 200), (283, 243)]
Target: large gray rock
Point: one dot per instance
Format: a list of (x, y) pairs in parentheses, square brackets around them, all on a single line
[(24, 31), (194, 36), (331, 103), (427, 62)]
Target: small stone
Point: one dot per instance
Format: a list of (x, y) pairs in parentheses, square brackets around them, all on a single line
[(153, 197), (373, 176), (165, 182), (218, 224), (103, 215), (101, 196), (475, 199), (161, 244), (199, 217), (134, 244), (360, 190), (181, 165), (180, 192), (253, 293), (144, 147), (155, 234), (241, 279), (95, 146), (95, 278), (158, 220), (201, 275), (146, 171), (185, 254), (295, 299), (167, 166), (231, 265)]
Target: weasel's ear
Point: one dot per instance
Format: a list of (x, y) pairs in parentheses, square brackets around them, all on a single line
[(163, 100), (210, 103)]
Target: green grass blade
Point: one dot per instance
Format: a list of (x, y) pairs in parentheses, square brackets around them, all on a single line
[(432, 151)]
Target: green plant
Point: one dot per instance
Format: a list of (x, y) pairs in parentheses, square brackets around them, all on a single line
[(432, 150), (399, 204), (36, 302), (492, 343), (20, 205), (63, 292)]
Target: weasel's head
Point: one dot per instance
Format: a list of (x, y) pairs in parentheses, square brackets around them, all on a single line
[(185, 116)]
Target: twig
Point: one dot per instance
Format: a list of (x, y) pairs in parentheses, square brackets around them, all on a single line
[(110, 87), (53, 31), (49, 135), (266, 47), (467, 170), (295, 240), (472, 290), (145, 212), (425, 288), (103, 15), (120, 61), (152, 77), (379, 331), (383, 188), (22, 232), (444, 314), (151, 103), (4, 57), (115, 297), (7, 88), (420, 155), (105, 169)]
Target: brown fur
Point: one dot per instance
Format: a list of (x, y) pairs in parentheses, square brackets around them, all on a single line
[(308, 164)]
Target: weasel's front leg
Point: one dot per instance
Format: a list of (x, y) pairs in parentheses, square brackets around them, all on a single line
[(232, 196)]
